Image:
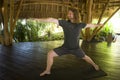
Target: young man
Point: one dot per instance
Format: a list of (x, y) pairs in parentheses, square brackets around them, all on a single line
[(71, 29)]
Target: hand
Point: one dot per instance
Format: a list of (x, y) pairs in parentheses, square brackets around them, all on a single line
[(100, 24)]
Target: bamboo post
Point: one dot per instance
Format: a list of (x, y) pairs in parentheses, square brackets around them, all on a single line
[(89, 11), (103, 11), (11, 18), (16, 17), (89, 18), (11, 13), (1, 11), (6, 33), (1, 20), (104, 23), (109, 18), (96, 29)]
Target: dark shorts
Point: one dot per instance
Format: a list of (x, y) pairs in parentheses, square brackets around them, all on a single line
[(62, 51)]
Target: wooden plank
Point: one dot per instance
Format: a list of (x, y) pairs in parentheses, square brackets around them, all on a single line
[(25, 61)]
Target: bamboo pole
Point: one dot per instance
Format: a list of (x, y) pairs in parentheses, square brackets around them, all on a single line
[(11, 13), (49, 3), (109, 18), (1, 15), (1, 20), (103, 11), (89, 18), (6, 33), (11, 18), (104, 23), (96, 29), (89, 10), (16, 17)]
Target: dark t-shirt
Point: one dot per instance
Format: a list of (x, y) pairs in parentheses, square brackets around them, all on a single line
[(71, 33)]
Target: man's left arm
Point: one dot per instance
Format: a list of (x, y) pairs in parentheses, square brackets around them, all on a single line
[(93, 25)]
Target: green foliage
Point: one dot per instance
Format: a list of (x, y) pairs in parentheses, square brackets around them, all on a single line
[(20, 32), (54, 36), (105, 31), (102, 34), (35, 31)]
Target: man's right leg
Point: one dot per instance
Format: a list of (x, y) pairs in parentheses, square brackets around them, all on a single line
[(50, 58)]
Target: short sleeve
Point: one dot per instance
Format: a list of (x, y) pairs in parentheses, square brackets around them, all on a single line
[(82, 25), (62, 23)]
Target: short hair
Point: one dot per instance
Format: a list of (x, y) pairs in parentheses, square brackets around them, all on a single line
[(76, 14)]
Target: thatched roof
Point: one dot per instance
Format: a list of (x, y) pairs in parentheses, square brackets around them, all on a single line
[(58, 8), (11, 10)]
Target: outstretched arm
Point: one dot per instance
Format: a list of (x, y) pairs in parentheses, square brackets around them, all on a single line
[(52, 20), (93, 25)]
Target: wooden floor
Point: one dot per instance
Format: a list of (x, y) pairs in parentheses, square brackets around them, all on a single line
[(24, 61)]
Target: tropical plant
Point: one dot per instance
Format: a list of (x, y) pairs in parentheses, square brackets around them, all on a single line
[(104, 32), (35, 31)]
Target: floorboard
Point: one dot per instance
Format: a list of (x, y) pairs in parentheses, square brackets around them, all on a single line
[(25, 61)]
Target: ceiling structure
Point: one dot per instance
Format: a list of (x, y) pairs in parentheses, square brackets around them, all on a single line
[(59, 8)]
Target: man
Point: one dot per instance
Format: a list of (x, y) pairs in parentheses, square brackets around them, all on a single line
[(71, 29)]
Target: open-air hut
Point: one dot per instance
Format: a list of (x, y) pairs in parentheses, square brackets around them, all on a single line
[(12, 10), (25, 60)]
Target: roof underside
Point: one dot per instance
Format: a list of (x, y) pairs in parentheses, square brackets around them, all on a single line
[(58, 8)]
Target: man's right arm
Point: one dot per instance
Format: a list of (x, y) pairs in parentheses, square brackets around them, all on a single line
[(52, 20)]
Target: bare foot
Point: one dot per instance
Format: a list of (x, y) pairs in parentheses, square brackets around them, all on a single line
[(96, 67), (44, 73)]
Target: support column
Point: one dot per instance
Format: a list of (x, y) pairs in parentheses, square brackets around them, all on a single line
[(6, 32), (11, 18), (16, 17), (96, 29), (89, 18), (109, 18)]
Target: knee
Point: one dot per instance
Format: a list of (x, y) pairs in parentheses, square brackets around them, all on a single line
[(52, 54), (85, 57)]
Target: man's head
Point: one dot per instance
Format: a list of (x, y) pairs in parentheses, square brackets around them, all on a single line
[(73, 15)]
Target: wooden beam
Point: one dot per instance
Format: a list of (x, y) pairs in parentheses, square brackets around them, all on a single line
[(44, 2), (11, 14), (11, 18), (1, 21), (89, 18), (110, 1), (95, 30), (17, 14), (109, 18), (1, 3), (1, 15), (104, 23), (89, 11), (49, 3), (6, 33), (103, 11)]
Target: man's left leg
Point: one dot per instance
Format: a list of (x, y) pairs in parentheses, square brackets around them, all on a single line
[(90, 61)]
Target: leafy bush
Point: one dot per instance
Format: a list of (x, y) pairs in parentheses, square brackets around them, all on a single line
[(35, 31), (104, 32), (58, 36)]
